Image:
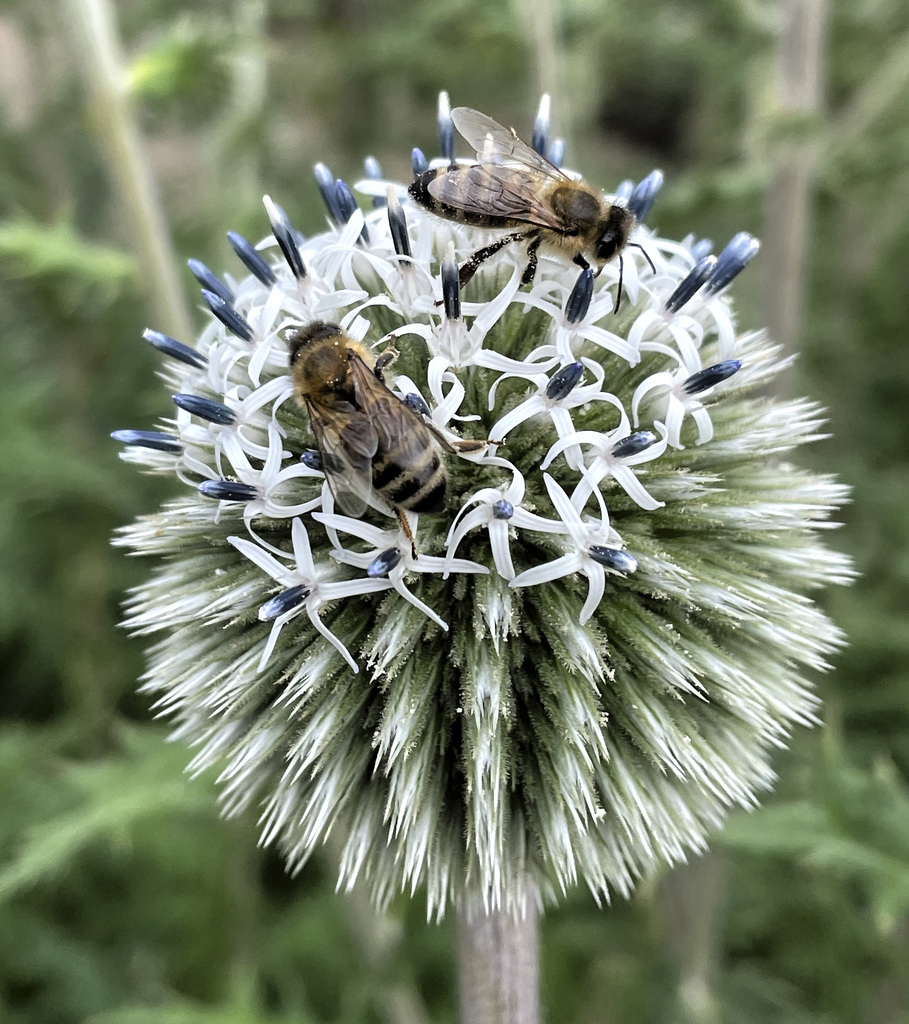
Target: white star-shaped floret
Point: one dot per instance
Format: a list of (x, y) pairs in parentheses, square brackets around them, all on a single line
[(597, 550), (603, 463), (498, 508), (558, 408), (453, 344), (391, 548), (679, 404), (270, 479), (306, 588), (570, 335), (251, 421)]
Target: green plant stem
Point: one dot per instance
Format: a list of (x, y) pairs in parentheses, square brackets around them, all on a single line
[(691, 900), (99, 57), (499, 966), (799, 77)]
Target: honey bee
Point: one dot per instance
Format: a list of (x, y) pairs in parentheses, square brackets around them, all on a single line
[(375, 448), (513, 186)]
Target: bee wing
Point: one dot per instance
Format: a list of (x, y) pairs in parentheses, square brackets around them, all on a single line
[(391, 419), (491, 189), (496, 144), (348, 441)]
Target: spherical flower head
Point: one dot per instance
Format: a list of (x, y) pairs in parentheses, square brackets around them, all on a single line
[(580, 665)]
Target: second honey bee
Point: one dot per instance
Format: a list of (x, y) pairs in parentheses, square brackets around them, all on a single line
[(374, 446), (513, 186)]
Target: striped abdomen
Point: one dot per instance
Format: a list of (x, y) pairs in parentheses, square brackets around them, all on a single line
[(410, 473)]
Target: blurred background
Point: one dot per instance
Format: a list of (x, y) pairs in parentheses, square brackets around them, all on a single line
[(133, 137)]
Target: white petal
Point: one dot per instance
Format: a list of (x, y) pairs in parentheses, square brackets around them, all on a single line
[(674, 416), (547, 571), (597, 577), (567, 512), (352, 588), (276, 628), (379, 539), (530, 407), (528, 521), (417, 603), (501, 552), (302, 550), (266, 562), (458, 531), (655, 380), (705, 425), (312, 609), (625, 477)]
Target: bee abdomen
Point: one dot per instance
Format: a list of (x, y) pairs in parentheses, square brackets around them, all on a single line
[(418, 190), (416, 481)]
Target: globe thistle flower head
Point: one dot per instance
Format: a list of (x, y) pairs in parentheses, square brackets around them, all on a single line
[(576, 667)]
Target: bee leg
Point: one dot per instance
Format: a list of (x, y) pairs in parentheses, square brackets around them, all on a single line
[(408, 533), (531, 269), (472, 265), (618, 294), (462, 445), (385, 360), (581, 262)]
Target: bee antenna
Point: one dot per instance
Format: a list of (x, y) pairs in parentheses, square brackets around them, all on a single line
[(618, 297), (638, 245)]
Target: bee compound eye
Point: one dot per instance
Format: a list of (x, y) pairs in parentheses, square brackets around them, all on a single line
[(607, 247)]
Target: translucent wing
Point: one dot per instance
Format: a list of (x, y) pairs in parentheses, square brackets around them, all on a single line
[(495, 191), (496, 144), (393, 422), (348, 441)]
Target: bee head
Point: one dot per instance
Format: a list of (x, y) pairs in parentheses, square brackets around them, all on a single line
[(298, 338), (617, 228)]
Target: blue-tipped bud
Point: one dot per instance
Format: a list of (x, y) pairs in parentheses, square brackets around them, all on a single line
[(733, 260), (153, 439), (451, 287), (326, 184), (227, 490), (446, 128), (502, 509), (634, 444), (564, 381), (623, 192), (418, 162), (228, 316), (415, 402), (206, 409), (686, 289), (373, 170), (208, 279), (701, 249), (613, 558), (175, 349), (397, 225), (540, 139), (251, 259), (711, 375), (579, 300), (348, 205), (313, 460), (384, 563), (285, 236), (556, 152), (283, 602), (644, 193)]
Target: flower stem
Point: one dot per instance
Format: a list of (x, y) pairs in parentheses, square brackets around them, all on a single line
[(799, 82), (499, 966), (101, 61)]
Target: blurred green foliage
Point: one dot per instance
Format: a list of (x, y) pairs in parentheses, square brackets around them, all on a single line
[(124, 899)]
